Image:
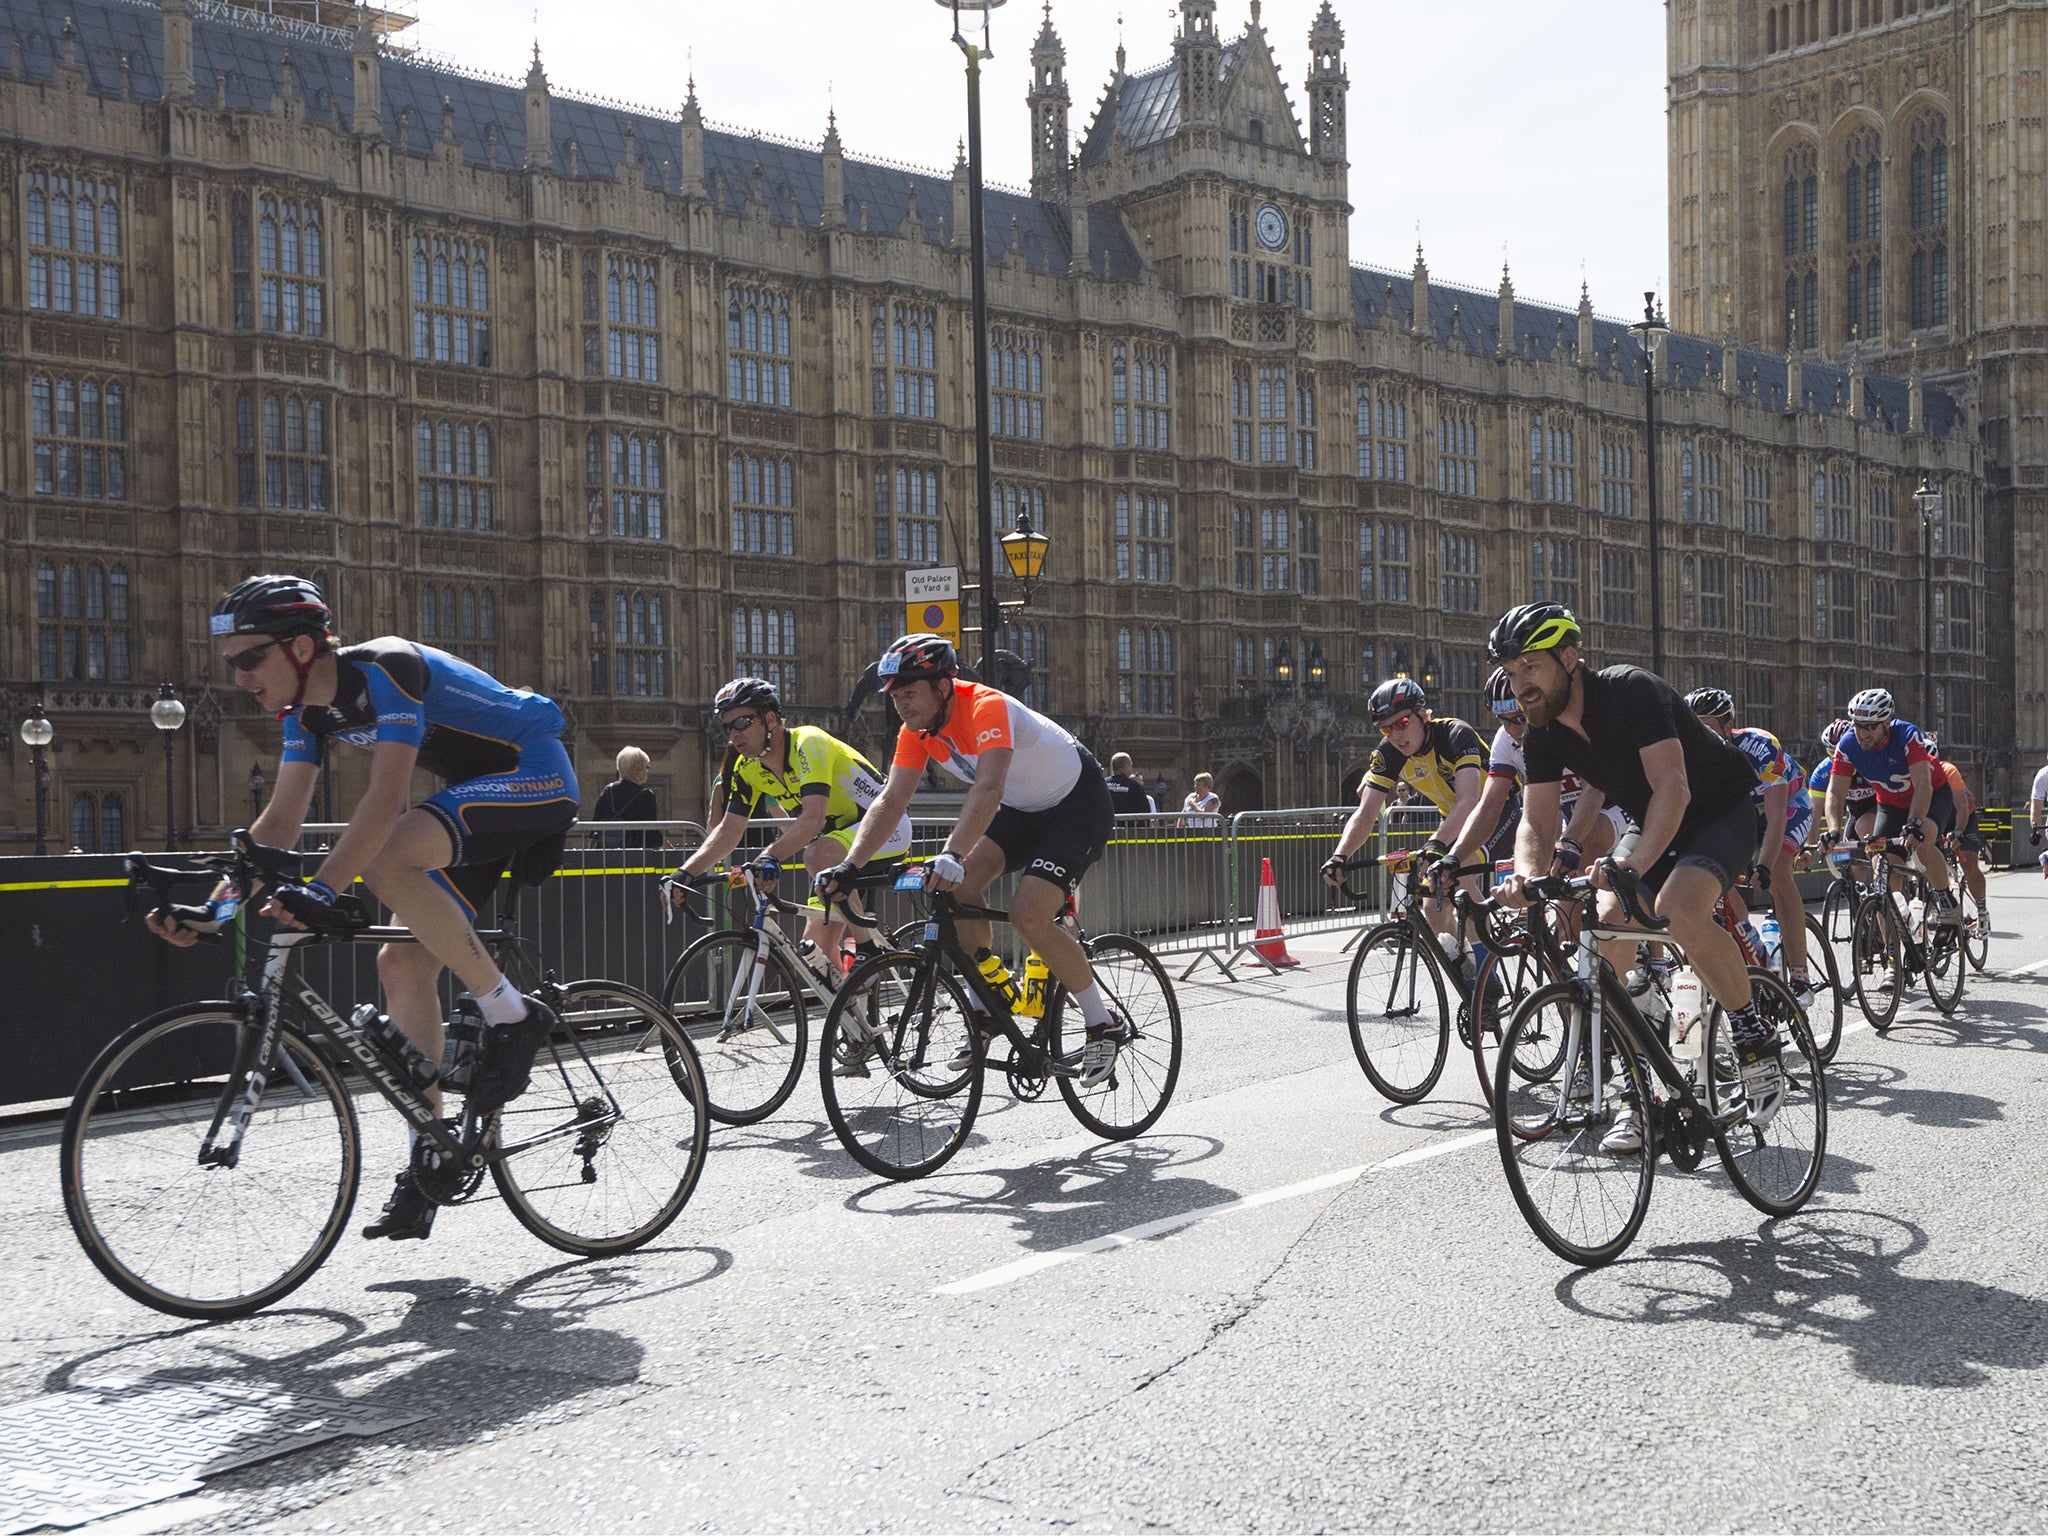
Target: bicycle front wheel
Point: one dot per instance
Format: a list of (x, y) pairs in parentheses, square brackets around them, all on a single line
[(615, 1125), (747, 1018), (885, 1066), (1399, 1013), (1504, 981), (1976, 932), (1136, 1092), (1824, 1017), (1947, 968), (1776, 1166), (205, 1241), (1876, 970), (1581, 1186)]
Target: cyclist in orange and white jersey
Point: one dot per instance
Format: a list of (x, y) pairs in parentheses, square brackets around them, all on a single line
[(1037, 802)]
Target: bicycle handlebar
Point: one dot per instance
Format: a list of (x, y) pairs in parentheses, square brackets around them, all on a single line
[(1580, 889)]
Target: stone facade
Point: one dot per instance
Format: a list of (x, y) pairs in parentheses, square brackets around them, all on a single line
[(619, 403), (1865, 179)]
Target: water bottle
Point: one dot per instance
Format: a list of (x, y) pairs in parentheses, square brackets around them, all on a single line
[(997, 975), (1916, 916), (1772, 939), (465, 1040), (411, 1061), (1648, 997), (1035, 980), (1754, 938), (1688, 1036), (1453, 950)]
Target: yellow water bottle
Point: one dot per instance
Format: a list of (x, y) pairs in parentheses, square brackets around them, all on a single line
[(1035, 975), (997, 975)]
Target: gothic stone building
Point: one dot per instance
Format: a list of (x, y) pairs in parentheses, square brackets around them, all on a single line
[(619, 404), (1864, 180)]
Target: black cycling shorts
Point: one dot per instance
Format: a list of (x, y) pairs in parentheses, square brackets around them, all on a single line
[(1060, 842), (1501, 845), (493, 820), (1941, 815), (1724, 845)]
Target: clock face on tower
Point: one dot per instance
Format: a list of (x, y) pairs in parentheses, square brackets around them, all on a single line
[(1271, 224)]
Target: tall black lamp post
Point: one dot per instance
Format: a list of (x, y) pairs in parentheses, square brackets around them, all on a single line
[(167, 714), (1927, 502), (36, 732), (1650, 332), (984, 489)]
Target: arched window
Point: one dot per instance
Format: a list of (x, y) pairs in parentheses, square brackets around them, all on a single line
[(84, 823), (73, 234), (113, 824), (1928, 271), (78, 430)]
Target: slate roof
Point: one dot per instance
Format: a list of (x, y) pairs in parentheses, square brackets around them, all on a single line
[(1543, 331), (245, 62), (1146, 109)]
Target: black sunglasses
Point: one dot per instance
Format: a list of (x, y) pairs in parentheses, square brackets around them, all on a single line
[(252, 658), (737, 724)]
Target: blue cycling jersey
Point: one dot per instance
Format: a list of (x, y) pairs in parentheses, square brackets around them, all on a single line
[(465, 723), (1888, 768)]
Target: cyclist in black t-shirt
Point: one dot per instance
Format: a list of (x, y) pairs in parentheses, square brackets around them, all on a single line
[(1629, 734)]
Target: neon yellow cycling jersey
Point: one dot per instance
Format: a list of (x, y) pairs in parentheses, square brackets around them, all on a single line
[(1450, 745), (819, 764)]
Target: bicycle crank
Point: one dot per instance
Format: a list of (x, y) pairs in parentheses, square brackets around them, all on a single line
[(1684, 1135), (441, 1178)]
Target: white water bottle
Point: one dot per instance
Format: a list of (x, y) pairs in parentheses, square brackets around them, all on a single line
[(1687, 1033), (1916, 915), (1772, 939)]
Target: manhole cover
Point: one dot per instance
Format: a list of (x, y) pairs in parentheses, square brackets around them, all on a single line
[(111, 1446)]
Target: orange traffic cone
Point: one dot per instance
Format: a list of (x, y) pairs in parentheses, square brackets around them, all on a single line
[(1269, 941)]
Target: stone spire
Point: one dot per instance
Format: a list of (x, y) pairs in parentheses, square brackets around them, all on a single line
[(833, 163), (367, 115), (1504, 342), (1198, 55), (540, 139), (693, 143), (1731, 356), (962, 209), (1051, 165), (1328, 83), (177, 50), (1916, 398), (1419, 320), (1586, 342)]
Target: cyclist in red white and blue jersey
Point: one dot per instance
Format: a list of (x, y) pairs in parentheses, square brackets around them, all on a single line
[(1784, 813), (1892, 757)]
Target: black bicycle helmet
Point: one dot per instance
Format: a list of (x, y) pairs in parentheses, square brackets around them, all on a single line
[(1532, 627), (1500, 694), (744, 691), (1393, 696), (1714, 703), (279, 606), (915, 658)]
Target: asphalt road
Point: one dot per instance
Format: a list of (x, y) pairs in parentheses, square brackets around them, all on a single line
[(1366, 1336)]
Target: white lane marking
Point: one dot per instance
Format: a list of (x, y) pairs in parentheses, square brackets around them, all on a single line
[(155, 1517), (989, 1279), (2021, 970)]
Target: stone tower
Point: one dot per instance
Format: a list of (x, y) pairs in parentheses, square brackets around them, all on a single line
[(1327, 85), (1198, 54), (1051, 156)]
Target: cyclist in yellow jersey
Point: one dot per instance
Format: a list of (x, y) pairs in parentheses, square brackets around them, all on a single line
[(1443, 760), (809, 774)]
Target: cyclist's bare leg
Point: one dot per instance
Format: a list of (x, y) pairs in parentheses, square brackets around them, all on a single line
[(983, 863), (1687, 903), (1789, 905), (401, 876), (1973, 873), (1034, 913), (411, 976), (828, 936)]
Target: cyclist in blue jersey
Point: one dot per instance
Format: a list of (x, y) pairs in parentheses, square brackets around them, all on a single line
[(509, 793), (1892, 756), (1784, 815)]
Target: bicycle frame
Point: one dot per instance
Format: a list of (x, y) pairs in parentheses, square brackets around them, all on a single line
[(941, 943)]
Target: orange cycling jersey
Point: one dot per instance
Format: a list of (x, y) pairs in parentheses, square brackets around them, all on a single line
[(1045, 760)]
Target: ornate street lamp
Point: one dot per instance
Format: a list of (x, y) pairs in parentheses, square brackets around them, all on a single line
[(1283, 669), (1927, 502), (1650, 333), (984, 485), (1025, 549), (257, 784), (1318, 674), (36, 733), (167, 714)]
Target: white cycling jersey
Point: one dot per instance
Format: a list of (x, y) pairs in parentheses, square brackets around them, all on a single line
[(1505, 760)]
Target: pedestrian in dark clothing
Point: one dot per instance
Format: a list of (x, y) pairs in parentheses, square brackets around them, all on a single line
[(1126, 790), (627, 798)]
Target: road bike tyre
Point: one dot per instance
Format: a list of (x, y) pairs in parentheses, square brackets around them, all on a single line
[(1584, 1204), (1778, 1168), (1947, 966), (1874, 959), (618, 1112), (904, 1017), (1511, 977), (1837, 923), (752, 1054), (1976, 938), (1824, 1018), (1400, 1026), (1139, 1087), (173, 1235)]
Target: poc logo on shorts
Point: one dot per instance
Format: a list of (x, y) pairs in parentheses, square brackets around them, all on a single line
[(1048, 868)]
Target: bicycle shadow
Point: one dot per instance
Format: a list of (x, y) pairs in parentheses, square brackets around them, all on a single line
[(1063, 1201), (1439, 1115), (462, 1358), (1836, 1276), (1998, 1023), (1880, 1089)]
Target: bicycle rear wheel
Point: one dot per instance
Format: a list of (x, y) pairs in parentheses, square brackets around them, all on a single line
[(619, 1123), (1876, 970), (1947, 968), (1837, 924), (894, 1100), (749, 1038), (208, 1242), (1824, 1017), (1585, 1203), (1138, 1088), (1399, 1013), (1778, 1166), (1976, 932), (1504, 981)]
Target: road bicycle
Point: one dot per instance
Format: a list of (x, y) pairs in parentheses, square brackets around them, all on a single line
[(1893, 938), (211, 1154), (1824, 1012), (907, 1043), (1398, 995), (1579, 1053), (744, 997), (1976, 935)]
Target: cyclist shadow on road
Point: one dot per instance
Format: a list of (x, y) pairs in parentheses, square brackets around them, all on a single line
[(820, 1153), (1062, 1201), (460, 1359), (2000, 1024), (1881, 1089), (1836, 1276)]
